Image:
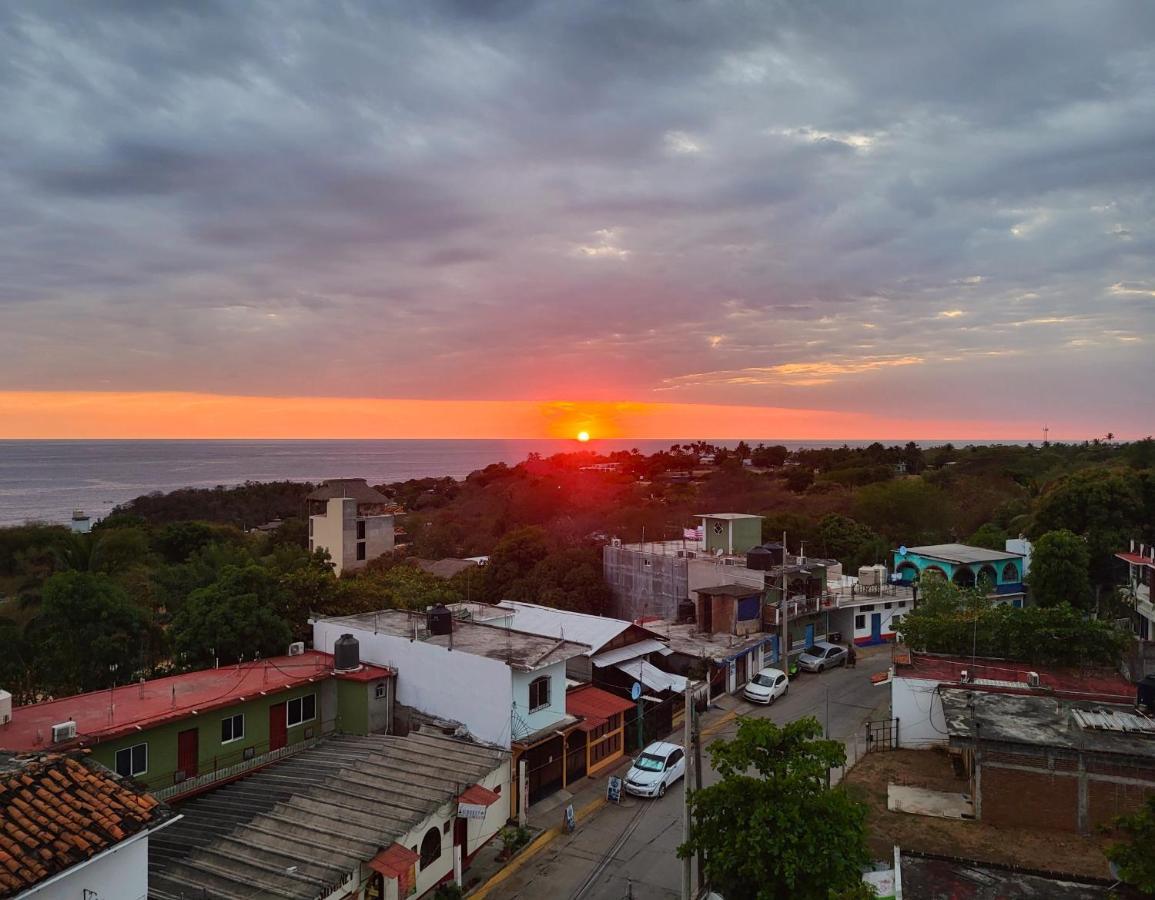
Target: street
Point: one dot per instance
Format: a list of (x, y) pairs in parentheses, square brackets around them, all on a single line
[(630, 850)]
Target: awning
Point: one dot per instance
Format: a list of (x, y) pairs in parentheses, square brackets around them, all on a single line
[(475, 800), (631, 651), (592, 723), (653, 677), (394, 861)]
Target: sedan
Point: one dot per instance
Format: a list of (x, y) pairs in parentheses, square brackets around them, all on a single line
[(767, 686), (655, 769), (821, 656)]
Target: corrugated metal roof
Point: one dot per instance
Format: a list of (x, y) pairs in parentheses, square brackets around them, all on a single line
[(652, 677), (1108, 720), (596, 631), (628, 652)]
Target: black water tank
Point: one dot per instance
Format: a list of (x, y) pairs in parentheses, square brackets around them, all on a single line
[(440, 619), (687, 611), (761, 559), (346, 653), (1146, 692)]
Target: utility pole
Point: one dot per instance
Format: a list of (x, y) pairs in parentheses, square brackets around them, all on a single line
[(696, 738), (687, 863), (826, 733), (784, 616)]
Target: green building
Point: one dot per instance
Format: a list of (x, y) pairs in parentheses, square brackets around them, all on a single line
[(730, 534)]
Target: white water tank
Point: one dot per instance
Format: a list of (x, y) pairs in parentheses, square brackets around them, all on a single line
[(867, 576), (880, 574)]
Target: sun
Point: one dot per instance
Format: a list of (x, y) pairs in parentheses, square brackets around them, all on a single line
[(583, 436)]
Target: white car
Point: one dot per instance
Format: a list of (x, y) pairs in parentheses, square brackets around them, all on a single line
[(767, 686), (655, 769)]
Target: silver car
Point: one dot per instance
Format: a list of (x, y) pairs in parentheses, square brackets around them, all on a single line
[(822, 655)]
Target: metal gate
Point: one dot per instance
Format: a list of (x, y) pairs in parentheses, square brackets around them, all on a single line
[(882, 735)]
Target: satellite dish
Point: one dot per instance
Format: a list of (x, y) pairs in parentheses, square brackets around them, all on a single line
[(902, 550), (635, 691)]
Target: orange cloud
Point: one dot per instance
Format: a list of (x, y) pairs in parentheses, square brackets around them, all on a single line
[(75, 415)]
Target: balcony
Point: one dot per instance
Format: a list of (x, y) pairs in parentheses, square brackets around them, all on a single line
[(796, 607)]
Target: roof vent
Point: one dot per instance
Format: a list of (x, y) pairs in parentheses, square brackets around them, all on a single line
[(65, 731), (1033, 679)]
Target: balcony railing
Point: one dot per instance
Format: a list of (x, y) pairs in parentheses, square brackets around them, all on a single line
[(228, 768)]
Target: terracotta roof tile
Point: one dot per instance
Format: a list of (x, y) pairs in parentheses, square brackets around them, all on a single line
[(57, 811)]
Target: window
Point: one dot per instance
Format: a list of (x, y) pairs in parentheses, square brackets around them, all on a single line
[(887, 605), (132, 761), (539, 693), (379, 690), (869, 607), (232, 728), (361, 529), (1010, 572), (360, 549), (675, 758), (301, 709), (860, 621), (902, 604), (430, 848)]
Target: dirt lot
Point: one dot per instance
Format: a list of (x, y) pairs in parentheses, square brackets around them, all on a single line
[(1057, 851)]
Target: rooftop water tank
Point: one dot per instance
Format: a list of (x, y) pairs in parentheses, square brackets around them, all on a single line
[(440, 619), (346, 654), (760, 559)]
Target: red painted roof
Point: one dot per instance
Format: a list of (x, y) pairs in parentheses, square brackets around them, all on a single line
[(1100, 683), (103, 715), (394, 861), (1136, 560), (479, 796), (594, 703)]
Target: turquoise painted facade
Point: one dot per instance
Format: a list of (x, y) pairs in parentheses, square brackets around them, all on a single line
[(1003, 571)]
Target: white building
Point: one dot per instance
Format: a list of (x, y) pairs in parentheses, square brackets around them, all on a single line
[(1140, 579), (351, 521), (91, 835)]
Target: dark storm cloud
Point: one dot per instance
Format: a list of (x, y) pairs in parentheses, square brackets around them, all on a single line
[(795, 203)]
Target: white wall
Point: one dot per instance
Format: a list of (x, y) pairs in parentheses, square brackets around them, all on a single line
[(474, 690), (879, 606), (917, 706), (547, 716), (704, 572), (119, 874), (328, 531)]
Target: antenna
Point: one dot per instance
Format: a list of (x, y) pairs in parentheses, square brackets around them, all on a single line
[(1046, 431)]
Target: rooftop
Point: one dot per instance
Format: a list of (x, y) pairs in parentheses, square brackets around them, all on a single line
[(595, 705), (103, 715), (727, 516), (444, 568), (1102, 683), (731, 590), (596, 631), (518, 649), (686, 639), (57, 811), (929, 877), (963, 554), (355, 488), (322, 812), (1040, 721), (1136, 559)]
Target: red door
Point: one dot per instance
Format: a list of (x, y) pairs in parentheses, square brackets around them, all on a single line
[(187, 752), (278, 727), (461, 838)]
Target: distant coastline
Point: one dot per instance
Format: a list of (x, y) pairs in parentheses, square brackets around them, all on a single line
[(45, 480)]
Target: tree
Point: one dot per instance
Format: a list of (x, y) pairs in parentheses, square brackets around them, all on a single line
[(989, 536), (908, 510), (765, 834), (87, 623), (238, 615), (512, 561), (1060, 566), (840, 537), (1134, 857)]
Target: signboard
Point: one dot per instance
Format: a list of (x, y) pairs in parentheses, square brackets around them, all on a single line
[(471, 810), (570, 821), (635, 691), (614, 789)]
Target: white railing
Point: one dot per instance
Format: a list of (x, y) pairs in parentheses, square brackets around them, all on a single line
[(198, 782)]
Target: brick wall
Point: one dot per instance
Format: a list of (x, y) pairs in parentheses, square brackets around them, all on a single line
[(1015, 798)]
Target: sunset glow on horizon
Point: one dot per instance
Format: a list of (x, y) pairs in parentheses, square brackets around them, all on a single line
[(171, 415)]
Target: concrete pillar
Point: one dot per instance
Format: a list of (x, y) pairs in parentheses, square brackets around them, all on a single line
[(1081, 821)]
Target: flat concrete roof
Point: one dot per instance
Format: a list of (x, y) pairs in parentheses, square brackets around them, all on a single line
[(686, 639), (1038, 721), (518, 649), (963, 554), (729, 516), (322, 812), (732, 590)]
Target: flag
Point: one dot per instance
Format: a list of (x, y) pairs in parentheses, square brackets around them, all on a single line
[(692, 534)]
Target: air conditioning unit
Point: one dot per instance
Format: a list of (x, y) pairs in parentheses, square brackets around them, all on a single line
[(690, 554), (1033, 679), (727, 562), (65, 731), (681, 554), (964, 676), (297, 648), (615, 542)]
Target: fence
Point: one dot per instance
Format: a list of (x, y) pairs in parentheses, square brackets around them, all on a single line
[(882, 735), (224, 773)]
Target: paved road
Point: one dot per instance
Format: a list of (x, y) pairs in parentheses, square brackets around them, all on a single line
[(629, 850)]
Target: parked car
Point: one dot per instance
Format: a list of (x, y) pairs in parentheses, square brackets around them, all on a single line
[(822, 655), (767, 686), (655, 769)]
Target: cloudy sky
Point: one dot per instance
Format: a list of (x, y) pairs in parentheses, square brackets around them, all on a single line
[(941, 215)]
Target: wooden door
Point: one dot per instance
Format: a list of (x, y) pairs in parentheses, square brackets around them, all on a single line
[(187, 752), (278, 727)]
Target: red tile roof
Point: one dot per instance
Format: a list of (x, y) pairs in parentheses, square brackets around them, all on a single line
[(1136, 560), (57, 811), (103, 715), (594, 703), (479, 796), (1100, 683)]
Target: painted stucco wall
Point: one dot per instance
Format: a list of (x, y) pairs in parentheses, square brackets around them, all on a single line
[(336, 531), (923, 563), (704, 573), (732, 535), (474, 690), (360, 710), (542, 718), (119, 874), (916, 705), (162, 740), (862, 634)]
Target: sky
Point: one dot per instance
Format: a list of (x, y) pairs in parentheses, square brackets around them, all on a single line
[(506, 218)]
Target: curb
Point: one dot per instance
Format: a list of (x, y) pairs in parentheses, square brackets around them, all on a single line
[(534, 847)]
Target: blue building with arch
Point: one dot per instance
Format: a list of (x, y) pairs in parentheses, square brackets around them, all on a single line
[(966, 566)]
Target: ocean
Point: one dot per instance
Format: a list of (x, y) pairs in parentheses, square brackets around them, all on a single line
[(46, 480)]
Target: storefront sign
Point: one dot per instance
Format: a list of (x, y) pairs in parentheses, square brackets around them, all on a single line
[(471, 810)]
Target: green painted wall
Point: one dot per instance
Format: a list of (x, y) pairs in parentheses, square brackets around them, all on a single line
[(353, 706), (162, 740), (747, 533)]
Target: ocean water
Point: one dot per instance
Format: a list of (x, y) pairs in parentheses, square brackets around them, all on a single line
[(46, 480)]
